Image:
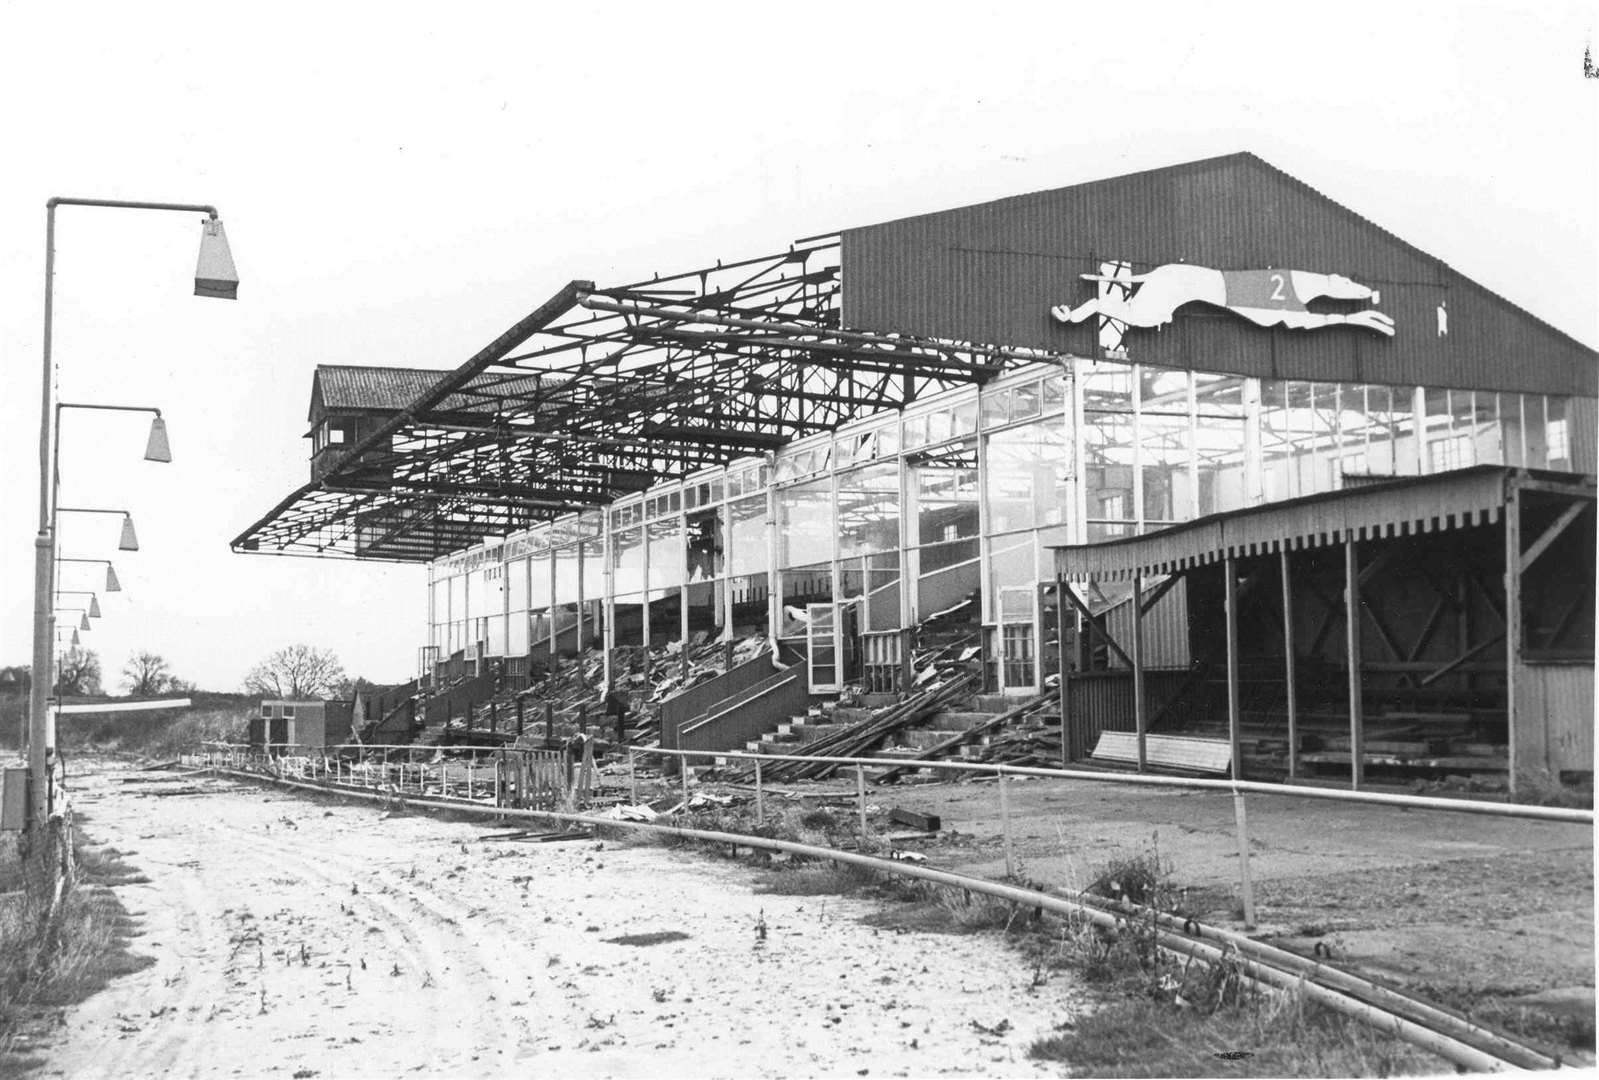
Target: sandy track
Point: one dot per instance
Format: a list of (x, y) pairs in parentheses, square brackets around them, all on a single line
[(296, 939)]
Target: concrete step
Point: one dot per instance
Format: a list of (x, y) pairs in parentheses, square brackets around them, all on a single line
[(922, 738), (812, 732), (959, 720), (995, 703)]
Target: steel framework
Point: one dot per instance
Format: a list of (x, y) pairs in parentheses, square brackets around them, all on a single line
[(602, 392)]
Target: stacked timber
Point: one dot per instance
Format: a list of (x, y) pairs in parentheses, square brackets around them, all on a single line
[(863, 737), (1027, 742)]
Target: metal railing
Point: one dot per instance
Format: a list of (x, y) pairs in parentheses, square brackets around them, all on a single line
[(487, 775)]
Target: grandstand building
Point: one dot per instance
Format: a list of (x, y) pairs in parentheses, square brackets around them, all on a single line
[(1162, 397)]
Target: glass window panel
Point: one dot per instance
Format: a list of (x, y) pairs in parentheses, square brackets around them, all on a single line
[(868, 509), (1024, 402), (627, 561), (939, 426), (803, 585), (1532, 423), (1108, 466), (1012, 561), (1106, 385), (1054, 389), (566, 576), (749, 551), (1162, 390), (1277, 441), (1557, 431), (1510, 422), (516, 585), (665, 538), (705, 545), (995, 406), (517, 641), (538, 581), (593, 569), (915, 431), (1028, 470), (947, 505), (1219, 450), (964, 418), (888, 441), (1219, 395), (1168, 491), (805, 523)]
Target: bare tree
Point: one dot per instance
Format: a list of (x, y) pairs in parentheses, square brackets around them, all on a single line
[(147, 673), (78, 673), (296, 672)]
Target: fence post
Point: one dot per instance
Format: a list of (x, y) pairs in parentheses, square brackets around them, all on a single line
[(549, 724), (1243, 859), (1004, 819), (760, 796), (860, 796), (632, 776), (518, 718), (683, 771)]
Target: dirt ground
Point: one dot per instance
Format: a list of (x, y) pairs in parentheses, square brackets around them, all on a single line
[(302, 938), (1488, 913)]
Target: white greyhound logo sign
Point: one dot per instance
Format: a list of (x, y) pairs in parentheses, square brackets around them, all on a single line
[(1264, 297)]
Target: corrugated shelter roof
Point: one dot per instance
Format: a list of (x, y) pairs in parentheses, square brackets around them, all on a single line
[(393, 389), (1403, 507), (348, 386)]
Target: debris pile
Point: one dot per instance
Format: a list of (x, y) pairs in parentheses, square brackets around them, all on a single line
[(1016, 737)]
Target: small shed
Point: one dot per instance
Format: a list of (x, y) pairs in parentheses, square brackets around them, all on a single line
[(283, 726)]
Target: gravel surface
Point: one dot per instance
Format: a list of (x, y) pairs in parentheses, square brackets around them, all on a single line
[(301, 938)]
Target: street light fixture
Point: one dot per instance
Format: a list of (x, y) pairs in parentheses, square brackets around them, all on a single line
[(94, 599), (156, 447), (111, 582), (129, 540), (214, 275)]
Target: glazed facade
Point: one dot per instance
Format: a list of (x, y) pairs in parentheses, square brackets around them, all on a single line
[(836, 542)]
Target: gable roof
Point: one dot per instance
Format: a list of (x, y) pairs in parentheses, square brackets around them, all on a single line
[(393, 389), (992, 271)]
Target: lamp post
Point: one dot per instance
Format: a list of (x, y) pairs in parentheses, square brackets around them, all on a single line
[(214, 275), (129, 540), (111, 582), (94, 599)]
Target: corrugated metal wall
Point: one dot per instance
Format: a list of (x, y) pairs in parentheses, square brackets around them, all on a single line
[(990, 273), (1554, 717)]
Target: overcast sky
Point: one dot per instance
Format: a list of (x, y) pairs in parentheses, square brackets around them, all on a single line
[(402, 182)]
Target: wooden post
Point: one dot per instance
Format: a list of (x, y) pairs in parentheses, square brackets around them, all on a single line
[(1004, 824), (760, 795), (1243, 859), (682, 768), (549, 724), (1518, 762), (632, 776), (494, 717), (518, 718), (860, 796), (1140, 713), (1288, 664), (1235, 740), (907, 666), (1065, 671), (1357, 726)]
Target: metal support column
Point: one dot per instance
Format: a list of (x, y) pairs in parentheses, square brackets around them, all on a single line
[(1357, 725), (1288, 662), (1235, 741), (1140, 712)]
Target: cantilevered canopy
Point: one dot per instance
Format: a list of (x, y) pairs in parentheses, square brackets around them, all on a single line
[(1400, 507), (601, 392)]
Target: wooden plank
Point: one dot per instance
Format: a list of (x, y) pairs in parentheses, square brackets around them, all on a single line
[(927, 823), (1167, 751)]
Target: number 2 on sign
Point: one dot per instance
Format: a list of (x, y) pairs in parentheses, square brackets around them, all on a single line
[(1277, 290)]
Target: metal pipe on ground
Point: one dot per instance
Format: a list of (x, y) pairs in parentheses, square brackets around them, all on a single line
[(1450, 1049)]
